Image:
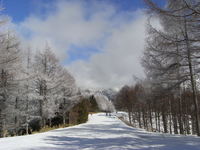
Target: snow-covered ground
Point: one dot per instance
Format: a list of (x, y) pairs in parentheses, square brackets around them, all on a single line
[(100, 133)]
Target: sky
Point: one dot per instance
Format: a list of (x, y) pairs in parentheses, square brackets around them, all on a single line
[(100, 42)]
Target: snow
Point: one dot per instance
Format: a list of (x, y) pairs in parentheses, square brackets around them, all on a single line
[(100, 133)]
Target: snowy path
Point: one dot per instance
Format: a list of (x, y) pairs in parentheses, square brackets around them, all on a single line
[(100, 133)]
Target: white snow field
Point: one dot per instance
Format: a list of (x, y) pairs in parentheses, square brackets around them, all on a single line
[(100, 133)]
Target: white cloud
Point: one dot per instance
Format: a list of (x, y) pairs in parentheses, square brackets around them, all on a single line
[(70, 23), (119, 35), (119, 61)]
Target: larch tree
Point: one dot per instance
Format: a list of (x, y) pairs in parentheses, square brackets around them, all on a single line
[(180, 22), (46, 66), (10, 65)]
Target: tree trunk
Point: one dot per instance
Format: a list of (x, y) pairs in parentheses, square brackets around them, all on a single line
[(4, 128), (150, 117), (143, 118), (159, 121), (129, 117), (180, 116), (170, 116), (193, 125), (192, 80), (156, 118), (1, 124), (27, 128), (50, 122), (164, 119), (64, 121), (175, 124), (139, 119)]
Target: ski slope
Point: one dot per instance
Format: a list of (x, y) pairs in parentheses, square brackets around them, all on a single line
[(100, 133)]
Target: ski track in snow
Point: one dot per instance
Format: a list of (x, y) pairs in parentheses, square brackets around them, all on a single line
[(100, 133)]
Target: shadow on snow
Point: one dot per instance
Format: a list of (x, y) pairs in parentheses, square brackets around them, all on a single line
[(119, 137)]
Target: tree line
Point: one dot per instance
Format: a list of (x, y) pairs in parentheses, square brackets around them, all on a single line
[(168, 99), (33, 86)]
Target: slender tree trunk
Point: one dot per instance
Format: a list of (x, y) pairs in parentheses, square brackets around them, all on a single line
[(156, 118), (143, 118), (170, 116), (150, 117), (41, 110), (159, 121), (139, 119), (175, 124), (133, 119), (193, 125), (129, 116), (50, 122), (4, 128), (27, 125), (64, 121), (192, 80), (27, 113), (187, 122), (180, 117), (1, 124), (164, 119)]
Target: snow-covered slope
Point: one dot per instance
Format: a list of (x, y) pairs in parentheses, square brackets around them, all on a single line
[(100, 133)]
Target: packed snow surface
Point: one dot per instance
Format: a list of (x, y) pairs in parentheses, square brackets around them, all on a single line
[(101, 132)]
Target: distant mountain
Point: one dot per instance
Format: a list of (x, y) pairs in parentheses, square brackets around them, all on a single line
[(109, 93), (104, 98)]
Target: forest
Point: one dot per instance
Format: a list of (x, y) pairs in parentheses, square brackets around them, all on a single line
[(168, 99), (34, 87), (36, 90), (128, 77)]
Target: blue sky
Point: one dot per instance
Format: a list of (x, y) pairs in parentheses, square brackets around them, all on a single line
[(99, 41), (20, 9)]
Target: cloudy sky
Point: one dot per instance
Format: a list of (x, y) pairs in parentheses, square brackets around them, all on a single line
[(99, 41)]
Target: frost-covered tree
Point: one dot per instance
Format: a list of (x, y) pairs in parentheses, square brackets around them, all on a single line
[(10, 66), (46, 67), (172, 54), (53, 84), (28, 90), (32, 86), (67, 89)]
